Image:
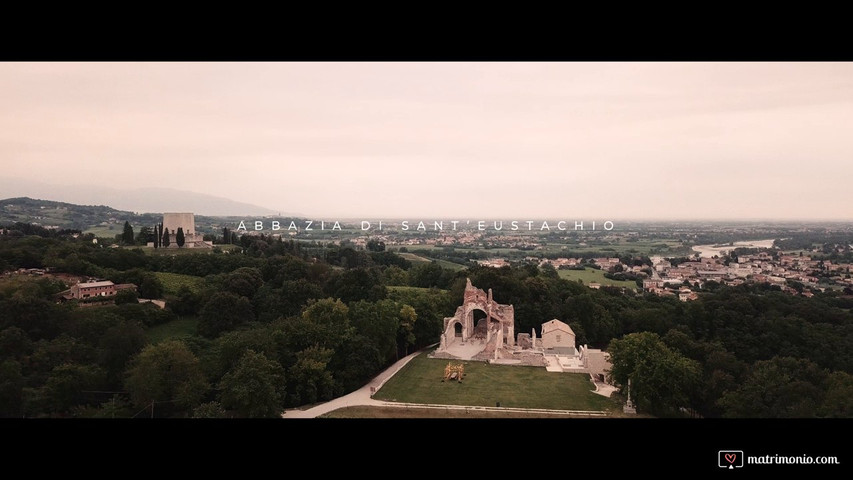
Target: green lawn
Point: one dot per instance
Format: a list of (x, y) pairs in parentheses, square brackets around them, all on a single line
[(590, 275), (485, 385), (176, 328), (172, 282), (415, 412)]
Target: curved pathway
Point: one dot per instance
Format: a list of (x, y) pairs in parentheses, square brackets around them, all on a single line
[(358, 397)]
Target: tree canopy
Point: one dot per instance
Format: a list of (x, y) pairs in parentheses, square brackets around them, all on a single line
[(167, 373), (255, 387)]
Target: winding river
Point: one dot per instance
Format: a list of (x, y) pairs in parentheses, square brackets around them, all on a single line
[(708, 251)]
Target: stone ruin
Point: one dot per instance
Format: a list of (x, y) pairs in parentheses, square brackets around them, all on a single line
[(492, 339), (466, 338)]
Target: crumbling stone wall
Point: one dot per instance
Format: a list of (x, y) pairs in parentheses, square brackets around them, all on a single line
[(478, 299)]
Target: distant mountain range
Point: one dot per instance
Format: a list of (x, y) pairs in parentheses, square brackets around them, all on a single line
[(142, 200)]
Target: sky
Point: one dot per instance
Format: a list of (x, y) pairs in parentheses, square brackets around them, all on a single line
[(574, 141)]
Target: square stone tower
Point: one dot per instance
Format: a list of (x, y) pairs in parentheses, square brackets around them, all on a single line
[(171, 222)]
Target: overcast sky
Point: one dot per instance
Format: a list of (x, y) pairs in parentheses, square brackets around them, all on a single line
[(572, 141)]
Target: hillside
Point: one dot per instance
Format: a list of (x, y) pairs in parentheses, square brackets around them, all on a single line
[(146, 199), (67, 215), (101, 220)]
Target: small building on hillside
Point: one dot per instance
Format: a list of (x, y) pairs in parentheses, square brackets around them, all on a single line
[(558, 337), (86, 290), (685, 294)]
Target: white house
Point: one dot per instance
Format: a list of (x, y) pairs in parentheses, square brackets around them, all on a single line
[(558, 337)]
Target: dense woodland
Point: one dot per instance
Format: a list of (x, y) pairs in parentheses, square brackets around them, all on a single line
[(283, 324)]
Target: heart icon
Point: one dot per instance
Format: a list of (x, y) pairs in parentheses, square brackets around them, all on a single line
[(731, 457)]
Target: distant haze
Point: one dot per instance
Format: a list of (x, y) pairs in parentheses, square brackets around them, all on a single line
[(576, 141)]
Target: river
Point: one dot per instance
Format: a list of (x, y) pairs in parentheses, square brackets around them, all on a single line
[(711, 250)]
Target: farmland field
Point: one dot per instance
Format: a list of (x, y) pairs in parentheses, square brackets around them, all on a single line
[(415, 259), (172, 282), (104, 231), (590, 275)]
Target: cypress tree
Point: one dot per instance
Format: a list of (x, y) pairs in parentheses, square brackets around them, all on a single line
[(165, 237), (127, 236), (179, 237)]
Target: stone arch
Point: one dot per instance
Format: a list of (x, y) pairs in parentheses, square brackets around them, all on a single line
[(478, 304), (477, 314)]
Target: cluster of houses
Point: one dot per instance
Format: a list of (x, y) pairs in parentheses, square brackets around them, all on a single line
[(494, 262), (606, 264), (32, 272), (557, 262), (465, 239), (758, 268)]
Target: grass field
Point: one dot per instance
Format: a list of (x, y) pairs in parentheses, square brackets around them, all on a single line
[(104, 231), (590, 275), (485, 385), (172, 282), (415, 412), (175, 328), (415, 259)]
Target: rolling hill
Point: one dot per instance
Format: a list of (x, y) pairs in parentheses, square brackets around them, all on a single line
[(149, 199), (67, 215), (101, 220)]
